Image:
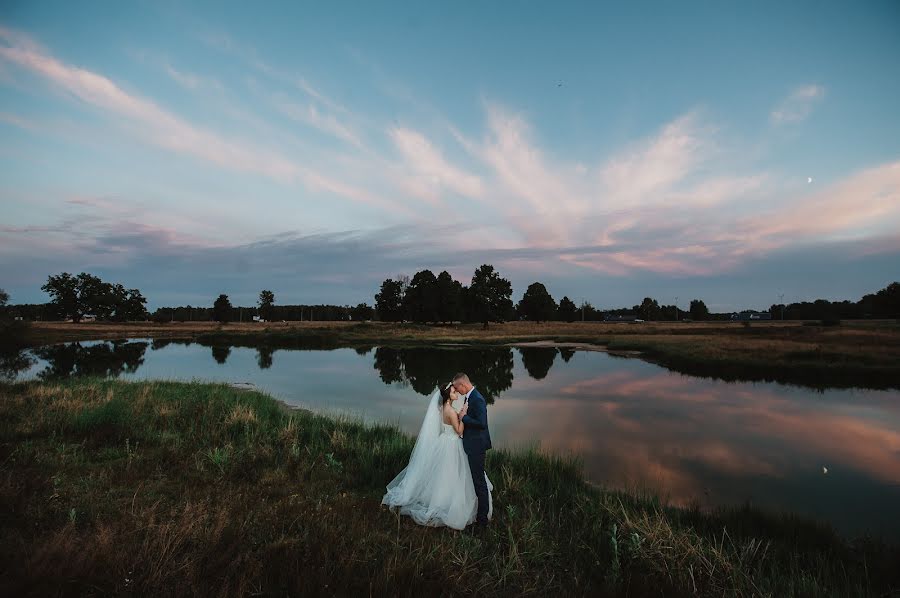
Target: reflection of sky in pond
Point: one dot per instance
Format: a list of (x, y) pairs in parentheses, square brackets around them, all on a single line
[(633, 423)]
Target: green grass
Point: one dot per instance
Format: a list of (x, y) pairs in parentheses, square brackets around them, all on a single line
[(171, 488)]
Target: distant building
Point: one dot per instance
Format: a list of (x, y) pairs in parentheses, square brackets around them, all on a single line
[(619, 318), (746, 316)]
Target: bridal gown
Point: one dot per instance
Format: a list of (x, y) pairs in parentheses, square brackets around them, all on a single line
[(436, 487)]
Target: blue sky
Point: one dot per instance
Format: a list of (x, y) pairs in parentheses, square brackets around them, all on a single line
[(726, 151)]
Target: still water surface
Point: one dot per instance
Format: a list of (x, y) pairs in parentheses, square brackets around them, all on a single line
[(634, 424)]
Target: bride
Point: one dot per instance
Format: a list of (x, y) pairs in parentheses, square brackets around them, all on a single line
[(436, 486)]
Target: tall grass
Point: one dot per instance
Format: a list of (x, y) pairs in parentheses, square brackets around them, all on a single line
[(183, 489)]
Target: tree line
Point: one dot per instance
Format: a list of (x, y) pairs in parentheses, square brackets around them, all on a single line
[(424, 298), (879, 305)]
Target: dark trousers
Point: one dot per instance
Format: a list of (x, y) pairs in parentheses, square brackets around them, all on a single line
[(476, 464)]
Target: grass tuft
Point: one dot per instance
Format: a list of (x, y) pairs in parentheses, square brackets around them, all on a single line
[(154, 488)]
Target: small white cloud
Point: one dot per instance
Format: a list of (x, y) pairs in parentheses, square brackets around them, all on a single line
[(798, 105)]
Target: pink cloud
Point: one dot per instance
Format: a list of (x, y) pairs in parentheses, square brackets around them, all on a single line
[(160, 127), (427, 172)]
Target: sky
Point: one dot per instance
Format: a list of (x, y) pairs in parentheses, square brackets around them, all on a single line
[(732, 152)]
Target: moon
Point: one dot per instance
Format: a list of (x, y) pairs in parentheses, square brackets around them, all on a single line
[(808, 180)]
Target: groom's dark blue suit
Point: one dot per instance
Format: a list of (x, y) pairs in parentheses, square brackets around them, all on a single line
[(476, 441)]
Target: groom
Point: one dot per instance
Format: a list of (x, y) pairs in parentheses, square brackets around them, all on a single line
[(476, 441)]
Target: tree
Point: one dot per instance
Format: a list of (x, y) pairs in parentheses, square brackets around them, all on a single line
[(648, 309), (699, 311), (449, 298), (4, 298), (222, 310), (537, 305), (266, 301), (420, 302), (389, 301), (75, 296), (64, 295), (135, 306), (489, 296), (567, 311)]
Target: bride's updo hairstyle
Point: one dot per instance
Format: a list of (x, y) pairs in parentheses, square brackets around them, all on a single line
[(445, 394)]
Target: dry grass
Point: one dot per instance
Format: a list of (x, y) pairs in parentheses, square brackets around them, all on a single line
[(230, 495)]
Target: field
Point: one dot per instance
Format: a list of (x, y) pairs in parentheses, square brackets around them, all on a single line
[(863, 354), (169, 488)]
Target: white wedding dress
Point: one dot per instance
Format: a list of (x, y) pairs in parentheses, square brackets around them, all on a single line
[(436, 486)]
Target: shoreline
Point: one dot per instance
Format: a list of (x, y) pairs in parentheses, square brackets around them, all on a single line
[(155, 485), (863, 354)]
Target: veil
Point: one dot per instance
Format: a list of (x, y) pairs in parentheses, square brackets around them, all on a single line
[(409, 482)]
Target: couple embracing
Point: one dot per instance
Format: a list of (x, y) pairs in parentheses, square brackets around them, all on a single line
[(444, 482)]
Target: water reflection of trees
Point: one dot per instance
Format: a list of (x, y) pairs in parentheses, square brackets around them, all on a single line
[(111, 358), (13, 362), (423, 368), (264, 357), (538, 360), (161, 343), (220, 353)]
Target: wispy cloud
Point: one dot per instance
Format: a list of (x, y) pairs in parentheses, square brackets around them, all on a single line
[(798, 105), (674, 202), (311, 116), (160, 127), (191, 81), (427, 172)]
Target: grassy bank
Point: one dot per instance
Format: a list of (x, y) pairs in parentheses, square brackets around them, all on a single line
[(179, 489), (861, 354)]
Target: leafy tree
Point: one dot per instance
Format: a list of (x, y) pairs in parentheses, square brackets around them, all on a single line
[(266, 301), (69, 294), (567, 311), (537, 305), (389, 301), (4, 298), (420, 302), (668, 313), (488, 296), (649, 309), (449, 298), (699, 310), (222, 309), (63, 291), (75, 296), (122, 305), (135, 306), (883, 304)]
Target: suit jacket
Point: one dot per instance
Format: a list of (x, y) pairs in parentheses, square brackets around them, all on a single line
[(476, 436)]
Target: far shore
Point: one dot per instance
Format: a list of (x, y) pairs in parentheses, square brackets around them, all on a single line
[(861, 354)]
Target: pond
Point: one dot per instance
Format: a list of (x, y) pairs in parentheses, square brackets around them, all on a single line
[(833, 455)]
